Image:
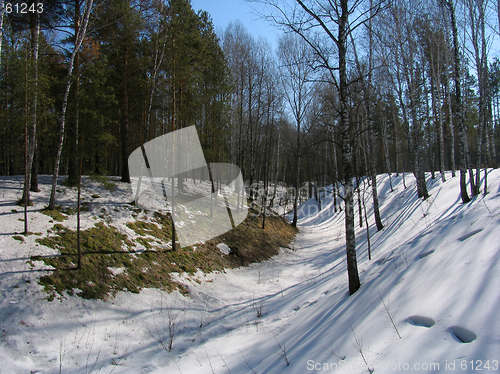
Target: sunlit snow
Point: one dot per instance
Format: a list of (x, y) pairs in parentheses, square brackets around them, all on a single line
[(429, 297)]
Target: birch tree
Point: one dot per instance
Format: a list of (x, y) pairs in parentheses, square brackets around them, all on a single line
[(476, 10), (69, 78), (326, 26), (450, 7), (295, 58)]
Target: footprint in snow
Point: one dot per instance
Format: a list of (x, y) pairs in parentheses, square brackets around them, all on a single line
[(421, 321), (425, 254), (462, 334), (311, 303), (467, 236)]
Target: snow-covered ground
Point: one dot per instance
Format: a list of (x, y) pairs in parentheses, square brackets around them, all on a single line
[(433, 283)]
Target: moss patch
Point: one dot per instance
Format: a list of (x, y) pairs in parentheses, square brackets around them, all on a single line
[(104, 180), (17, 237), (104, 247), (61, 213), (161, 229), (110, 262), (250, 243), (55, 214)]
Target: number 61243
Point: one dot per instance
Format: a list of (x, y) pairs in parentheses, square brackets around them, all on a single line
[(23, 8)]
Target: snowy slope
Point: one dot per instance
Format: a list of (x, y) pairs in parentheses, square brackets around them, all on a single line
[(432, 283)]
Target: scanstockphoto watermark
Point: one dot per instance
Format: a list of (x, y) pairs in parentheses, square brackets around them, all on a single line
[(454, 366), (384, 366), (307, 190), (341, 365), (282, 195)]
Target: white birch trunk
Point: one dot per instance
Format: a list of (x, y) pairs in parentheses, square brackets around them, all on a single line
[(2, 11), (62, 118)]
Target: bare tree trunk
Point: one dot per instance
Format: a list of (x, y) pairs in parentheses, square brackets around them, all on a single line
[(371, 143), (293, 54), (397, 141), (32, 106), (405, 117), (452, 127), (125, 119), (297, 186), (458, 97), (2, 11), (476, 14), (360, 212), (78, 210), (62, 117), (416, 144), (386, 150), (73, 167), (335, 180), (25, 198), (276, 166), (367, 226), (264, 195), (420, 174), (352, 264), (488, 116), (34, 171), (437, 109), (157, 63), (357, 156), (498, 12), (441, 134)]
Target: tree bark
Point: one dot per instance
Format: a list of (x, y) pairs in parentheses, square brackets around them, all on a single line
[(386, 150), (352, 266), (34, 171), (2, 11), (459, 106), (32, 106), (73, 168), (125, 118), (62, 117), (452, 127), (437, 107)]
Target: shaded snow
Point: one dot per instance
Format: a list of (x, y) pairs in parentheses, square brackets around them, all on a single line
[(433, 279)]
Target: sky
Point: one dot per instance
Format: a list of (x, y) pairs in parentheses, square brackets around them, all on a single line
[(225, 11)]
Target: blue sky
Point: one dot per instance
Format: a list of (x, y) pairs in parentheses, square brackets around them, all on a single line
[(225, 11)]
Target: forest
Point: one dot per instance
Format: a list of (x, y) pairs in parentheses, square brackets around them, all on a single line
[(354, 89)]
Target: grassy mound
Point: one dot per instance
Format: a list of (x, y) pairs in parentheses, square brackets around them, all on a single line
[(111, 260)]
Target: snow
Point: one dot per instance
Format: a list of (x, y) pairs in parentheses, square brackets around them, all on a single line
[(224, 248), (429, 296)]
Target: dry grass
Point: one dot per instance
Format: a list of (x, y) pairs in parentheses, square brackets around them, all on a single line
[(106, 249)]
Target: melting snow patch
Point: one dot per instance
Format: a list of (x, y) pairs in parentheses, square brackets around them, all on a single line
[(224, 248), (116, 271)]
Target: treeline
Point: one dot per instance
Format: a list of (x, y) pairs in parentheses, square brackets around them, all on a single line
[(148, 67), (139, 70)]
